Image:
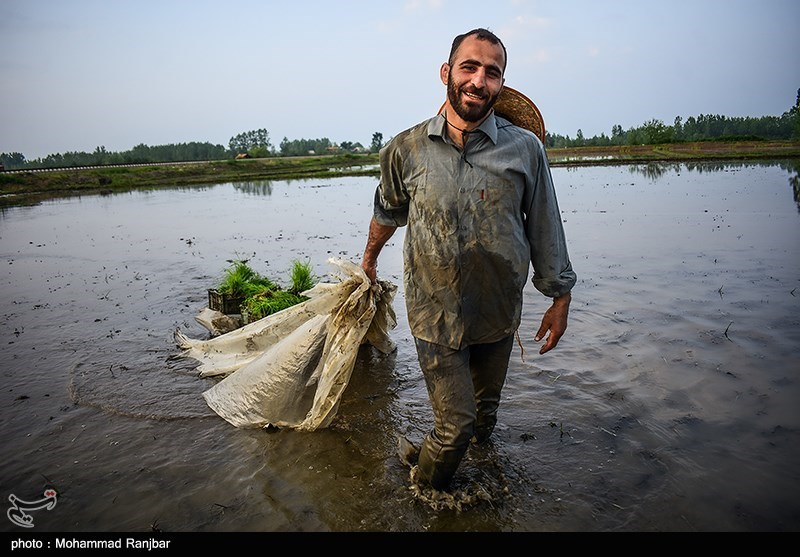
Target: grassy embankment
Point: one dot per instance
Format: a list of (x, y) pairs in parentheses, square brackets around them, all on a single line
[(27, 188)]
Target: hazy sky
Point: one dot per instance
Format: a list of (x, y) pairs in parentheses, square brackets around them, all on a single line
[(77, 74)]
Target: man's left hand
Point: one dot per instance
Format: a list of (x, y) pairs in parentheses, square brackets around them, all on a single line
[(555, 321)]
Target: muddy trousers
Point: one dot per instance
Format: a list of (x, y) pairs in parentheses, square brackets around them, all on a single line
[(464, 389)]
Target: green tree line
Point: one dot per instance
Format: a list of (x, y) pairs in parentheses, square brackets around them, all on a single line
[(193, 151), (705, 127), (257, 143)]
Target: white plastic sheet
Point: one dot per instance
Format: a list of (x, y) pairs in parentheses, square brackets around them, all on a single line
[(291, 368)]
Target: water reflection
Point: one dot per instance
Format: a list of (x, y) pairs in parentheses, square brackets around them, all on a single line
[(359, 168), (255, 187), (793, 167), (656, 170)]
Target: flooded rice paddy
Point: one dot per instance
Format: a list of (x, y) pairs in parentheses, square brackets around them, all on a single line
[(671, 404)]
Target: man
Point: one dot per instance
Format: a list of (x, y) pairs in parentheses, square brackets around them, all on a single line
[(477, 197)]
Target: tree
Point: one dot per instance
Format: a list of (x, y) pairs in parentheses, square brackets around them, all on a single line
[(246, 141), (259, 152), (678, 128), (795, 114), (655, 132), (100, 155), (12, 160), (377, 142), (300, 147)]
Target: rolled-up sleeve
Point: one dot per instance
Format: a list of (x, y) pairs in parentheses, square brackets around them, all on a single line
[(553, 275), (391, 197)]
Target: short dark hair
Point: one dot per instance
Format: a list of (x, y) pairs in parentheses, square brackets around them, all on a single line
[(483, 35)]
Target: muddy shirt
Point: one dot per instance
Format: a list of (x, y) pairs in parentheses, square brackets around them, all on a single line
[(476, 220)]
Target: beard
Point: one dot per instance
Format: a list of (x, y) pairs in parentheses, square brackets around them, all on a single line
[(468, 113)]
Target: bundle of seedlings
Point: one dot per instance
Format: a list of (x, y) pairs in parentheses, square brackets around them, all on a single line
[(261, 296)]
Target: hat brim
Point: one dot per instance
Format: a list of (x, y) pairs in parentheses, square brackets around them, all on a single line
[(519, 110)]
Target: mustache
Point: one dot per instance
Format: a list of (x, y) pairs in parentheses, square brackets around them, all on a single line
[(471, 89)]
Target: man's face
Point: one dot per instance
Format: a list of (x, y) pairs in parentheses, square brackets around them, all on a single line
[(475, 78)]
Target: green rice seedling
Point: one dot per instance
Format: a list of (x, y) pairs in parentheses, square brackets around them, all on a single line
[(268, 302), (261, 296), (241, 280), (302, 277)]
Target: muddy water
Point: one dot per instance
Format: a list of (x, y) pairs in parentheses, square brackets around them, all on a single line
[(670, 405)]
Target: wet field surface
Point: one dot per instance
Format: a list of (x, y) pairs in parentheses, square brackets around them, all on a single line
[(671, 404)]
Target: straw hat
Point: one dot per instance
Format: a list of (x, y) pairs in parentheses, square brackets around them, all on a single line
[(519, 110)]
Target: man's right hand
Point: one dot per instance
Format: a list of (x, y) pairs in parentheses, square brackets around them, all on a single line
[(379, 234), (371, 269)]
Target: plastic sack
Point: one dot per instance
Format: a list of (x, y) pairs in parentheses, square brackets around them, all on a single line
[(291, 368)]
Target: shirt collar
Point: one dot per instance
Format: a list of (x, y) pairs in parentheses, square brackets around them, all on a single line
[(437, 127)]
